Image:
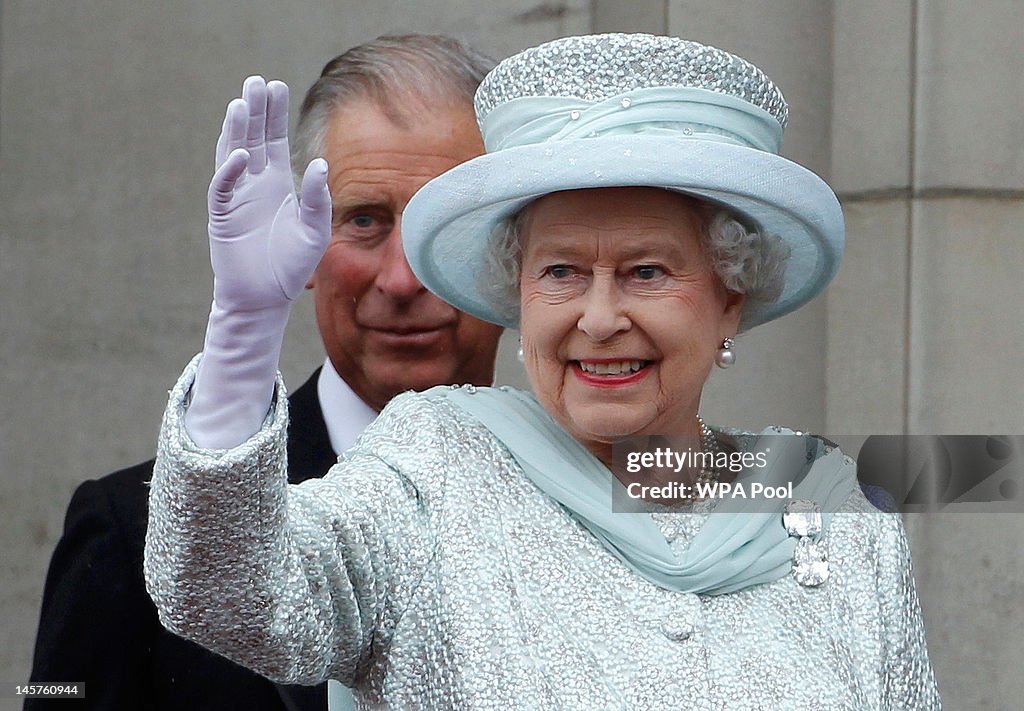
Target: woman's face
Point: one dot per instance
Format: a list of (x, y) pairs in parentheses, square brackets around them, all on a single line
[(621, 312)]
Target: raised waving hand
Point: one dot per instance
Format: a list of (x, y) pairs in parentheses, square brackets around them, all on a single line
[(265, 243)]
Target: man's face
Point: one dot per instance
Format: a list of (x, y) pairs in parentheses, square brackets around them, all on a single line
[(383, 331)]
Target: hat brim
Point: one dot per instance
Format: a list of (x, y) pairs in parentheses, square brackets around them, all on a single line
[(447, 224)]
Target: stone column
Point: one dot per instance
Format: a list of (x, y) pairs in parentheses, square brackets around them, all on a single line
[(923, 323)]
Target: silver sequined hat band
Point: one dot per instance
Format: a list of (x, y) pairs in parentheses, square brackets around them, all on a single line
[(597, 67)]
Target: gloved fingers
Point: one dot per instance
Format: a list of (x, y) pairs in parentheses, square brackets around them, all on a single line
[(254, 92), (232, 131), (222, 140), (315, 203), (295, 253), (222, 187), (277, 126)]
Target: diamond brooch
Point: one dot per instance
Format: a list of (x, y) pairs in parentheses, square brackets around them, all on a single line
[(802, 520)]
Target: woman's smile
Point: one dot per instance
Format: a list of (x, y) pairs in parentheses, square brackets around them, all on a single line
[(610, 372)]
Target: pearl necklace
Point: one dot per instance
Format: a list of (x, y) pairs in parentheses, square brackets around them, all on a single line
[(708, 443)]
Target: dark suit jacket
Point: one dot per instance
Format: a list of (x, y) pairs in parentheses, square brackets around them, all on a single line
[(98, 624)]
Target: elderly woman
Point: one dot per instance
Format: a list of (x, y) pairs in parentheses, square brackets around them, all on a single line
[(630, 217)]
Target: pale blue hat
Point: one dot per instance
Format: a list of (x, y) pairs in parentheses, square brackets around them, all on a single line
[(620, 110)]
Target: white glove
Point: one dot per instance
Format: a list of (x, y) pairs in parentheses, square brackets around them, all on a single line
[(264, 246)]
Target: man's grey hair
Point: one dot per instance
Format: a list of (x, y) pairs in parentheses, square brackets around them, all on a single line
[(746, 260), (390, 71)]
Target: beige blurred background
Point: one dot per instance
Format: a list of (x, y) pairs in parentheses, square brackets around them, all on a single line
[(913, 110)]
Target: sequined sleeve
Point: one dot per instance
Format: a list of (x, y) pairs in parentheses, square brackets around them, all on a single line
[(908, 680), (299, 583)]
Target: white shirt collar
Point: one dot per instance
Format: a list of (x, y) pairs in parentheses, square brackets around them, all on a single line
[(345, 414)]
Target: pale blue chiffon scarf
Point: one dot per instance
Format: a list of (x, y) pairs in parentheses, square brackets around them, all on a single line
[(740, 544)]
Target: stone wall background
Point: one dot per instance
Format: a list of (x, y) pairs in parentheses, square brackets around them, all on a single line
[(912, 109)]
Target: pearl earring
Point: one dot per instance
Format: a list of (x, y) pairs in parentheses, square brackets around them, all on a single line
[(726, 356), (519, 354)]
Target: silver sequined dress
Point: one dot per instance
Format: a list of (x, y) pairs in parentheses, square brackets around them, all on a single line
[(430, 573)]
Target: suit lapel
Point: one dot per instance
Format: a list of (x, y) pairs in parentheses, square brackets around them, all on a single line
[(309, 445), (309, 455)]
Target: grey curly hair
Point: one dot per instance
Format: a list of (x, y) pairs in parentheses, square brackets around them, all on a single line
[(747, 261)]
